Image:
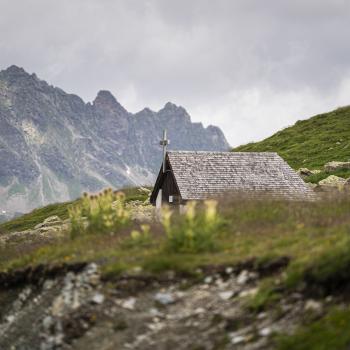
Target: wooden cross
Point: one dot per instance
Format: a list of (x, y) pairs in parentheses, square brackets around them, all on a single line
[(164, 142)]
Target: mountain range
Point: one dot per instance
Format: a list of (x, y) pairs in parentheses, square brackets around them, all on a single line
[(54, 146)]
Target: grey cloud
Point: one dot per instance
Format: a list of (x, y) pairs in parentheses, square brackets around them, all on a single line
[(292, 57)]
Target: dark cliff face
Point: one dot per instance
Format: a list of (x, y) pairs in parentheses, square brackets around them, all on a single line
[(53, 145)]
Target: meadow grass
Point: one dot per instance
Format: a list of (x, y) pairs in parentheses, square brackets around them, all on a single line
[(330, 332), (310, 233), (314, 235)]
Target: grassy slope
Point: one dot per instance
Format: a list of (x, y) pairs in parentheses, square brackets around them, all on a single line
[(310, 143), (28, 221)]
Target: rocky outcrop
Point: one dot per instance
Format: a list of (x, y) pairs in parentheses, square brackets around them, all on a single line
[(330, 184), (305, 172), (74, 307), (54, 146), (52, 228), (333, 181), (333, 166), (80, 310)]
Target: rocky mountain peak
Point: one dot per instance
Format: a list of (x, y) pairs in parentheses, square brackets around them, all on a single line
[(169, 106), (145, 112), (15, 70), (15, 75), (106, 101), (171, 110)]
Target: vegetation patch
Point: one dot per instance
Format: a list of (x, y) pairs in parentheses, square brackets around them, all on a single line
[(330, 332), (194, 231), (310, 143), (97, 214)]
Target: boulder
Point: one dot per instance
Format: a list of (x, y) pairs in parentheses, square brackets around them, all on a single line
[(52, 219), (49, 222), (333, 166), (332, 181), (305, 172), (311, 185)]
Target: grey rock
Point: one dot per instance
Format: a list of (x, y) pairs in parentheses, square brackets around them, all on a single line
[(243, 277), (238, 339), (208, 279), (98, 298), (332, 166), (226, 295), (164, 298), (229, 270), (305, 172), (265, 332), (128, 303), (332, 181), (10, 318), (313, 305), (51, 219)]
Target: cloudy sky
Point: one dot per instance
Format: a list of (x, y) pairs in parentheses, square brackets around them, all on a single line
[(248, 66)]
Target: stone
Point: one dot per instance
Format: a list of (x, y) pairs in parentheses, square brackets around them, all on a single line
[(208, 279), (249, 292), (52, 218), (36, 227), (332, 166), (155, 312), (199, 311), (237, 339), (10, 318), (58, 306), (265, 332), (243, 277), (164, 298), (128, 304), (98, 298), (313, 305), (226, 295), (47, 322), (156, 326), (332, 181), (48, 284), (305, 172), (229, 270)]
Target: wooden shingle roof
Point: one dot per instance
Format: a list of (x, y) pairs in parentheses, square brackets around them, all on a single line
[(200, 175)]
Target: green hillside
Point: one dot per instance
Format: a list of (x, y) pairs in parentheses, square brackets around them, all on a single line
[(310, 143), (28, 221)]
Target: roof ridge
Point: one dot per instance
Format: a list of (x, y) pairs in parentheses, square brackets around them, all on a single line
[(219, 152)]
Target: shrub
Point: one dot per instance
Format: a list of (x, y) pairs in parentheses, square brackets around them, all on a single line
[(100, 213), (194, 231), (138, 238)]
